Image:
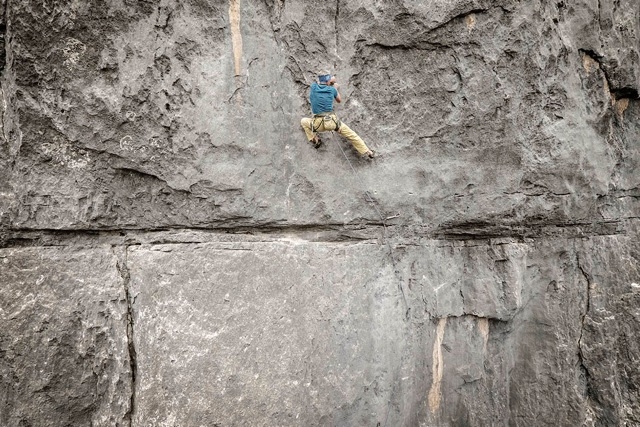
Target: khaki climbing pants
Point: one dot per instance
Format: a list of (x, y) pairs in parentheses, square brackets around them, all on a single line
[(328, 123)]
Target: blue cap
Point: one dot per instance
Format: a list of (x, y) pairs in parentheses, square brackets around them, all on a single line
[(324, 78)]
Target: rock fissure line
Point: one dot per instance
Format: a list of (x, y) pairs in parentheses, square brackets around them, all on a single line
[(131, 236), (478, 317), (3, 63), (616, 92), (587, 308), (462, 15), (3, 34), (272, 18), (149, 175), (399, 278), (163, 25), (483, 231), (133, 359), (335, 24), (336, 233)]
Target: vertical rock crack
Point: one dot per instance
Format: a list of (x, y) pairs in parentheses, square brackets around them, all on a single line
[(335, 23), (587, 308), (133, 359), (615, 90), (3, 34)]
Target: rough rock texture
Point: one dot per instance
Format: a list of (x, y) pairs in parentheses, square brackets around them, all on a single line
[(64, 357), (502, 333), (175, 254)]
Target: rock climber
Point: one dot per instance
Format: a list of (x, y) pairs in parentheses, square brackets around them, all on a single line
[(324, 119)]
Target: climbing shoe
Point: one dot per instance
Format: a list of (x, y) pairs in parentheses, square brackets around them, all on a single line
[(370, 154), (316, 142)]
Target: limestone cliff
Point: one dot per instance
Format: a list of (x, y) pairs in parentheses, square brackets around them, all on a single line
[(174, 253)]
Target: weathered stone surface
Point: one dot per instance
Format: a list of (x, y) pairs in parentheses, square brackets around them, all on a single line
[(292, 343), (460, 335), (64, 358), (489, 276), (169, 113), (609, 342)]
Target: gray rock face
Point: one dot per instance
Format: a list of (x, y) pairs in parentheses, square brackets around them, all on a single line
[(64, 357), (173, 253)]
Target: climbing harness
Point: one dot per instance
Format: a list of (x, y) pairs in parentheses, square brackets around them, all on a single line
[(325, 118)]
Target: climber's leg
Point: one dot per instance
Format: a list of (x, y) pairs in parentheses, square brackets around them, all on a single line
[(353, 138), (307, 123)]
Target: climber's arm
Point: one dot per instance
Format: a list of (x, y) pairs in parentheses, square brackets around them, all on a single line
[(333, 83)]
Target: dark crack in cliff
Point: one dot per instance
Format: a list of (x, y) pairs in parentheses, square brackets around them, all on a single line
[(121, 253)]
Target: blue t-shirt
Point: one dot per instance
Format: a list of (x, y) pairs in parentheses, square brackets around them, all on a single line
[(321, 97)]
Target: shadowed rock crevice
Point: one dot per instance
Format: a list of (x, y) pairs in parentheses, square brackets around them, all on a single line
[(533, 229), (618, 92), (394, 236), (590, 393), (3, 34), (121, 254)]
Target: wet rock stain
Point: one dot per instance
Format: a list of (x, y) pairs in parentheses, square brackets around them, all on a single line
[(483, 327), (236, 35), (435, 394)]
